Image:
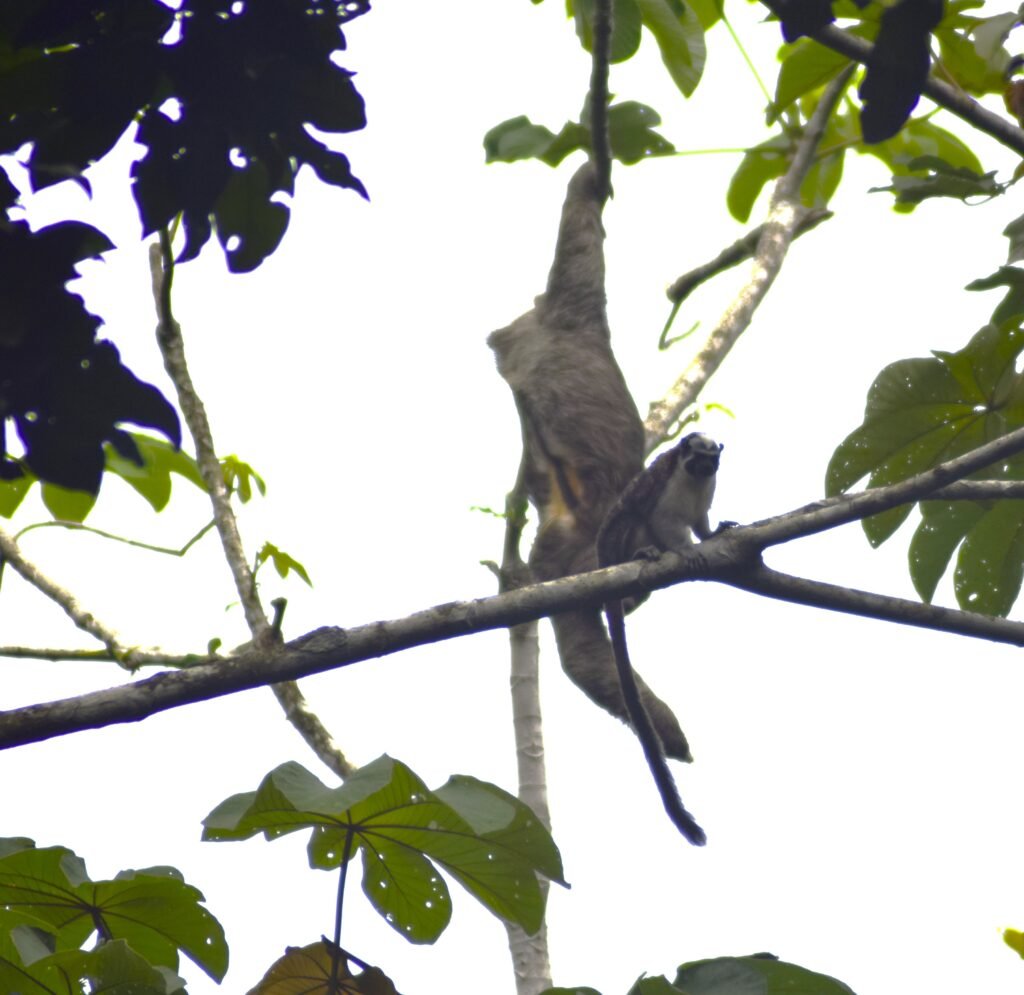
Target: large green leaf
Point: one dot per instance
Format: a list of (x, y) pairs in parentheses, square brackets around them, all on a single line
[(680, 37), (758, 975), (152, 910), (625, 26), (921, 412), (485, 838)]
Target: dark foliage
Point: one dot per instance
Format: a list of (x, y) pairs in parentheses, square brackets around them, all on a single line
[(801, 17), (66, 391), (898, 67), (224, 93)]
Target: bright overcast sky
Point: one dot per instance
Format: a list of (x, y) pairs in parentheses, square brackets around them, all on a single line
[(859, 782)]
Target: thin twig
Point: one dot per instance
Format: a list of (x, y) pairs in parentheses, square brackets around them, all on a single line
[(600, 142), (139, 658), (784, 215), (11, 553), (306, 722), (137, 543), (741, 250)]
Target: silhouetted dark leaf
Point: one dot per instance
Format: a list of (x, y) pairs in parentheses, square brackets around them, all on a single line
[(898, 67), (66, 391)]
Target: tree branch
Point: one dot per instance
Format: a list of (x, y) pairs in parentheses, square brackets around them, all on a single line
[(10, 552), (732, 557), (784, 217), (1002, 129), (172, 347), (816, 594), (740, 250)]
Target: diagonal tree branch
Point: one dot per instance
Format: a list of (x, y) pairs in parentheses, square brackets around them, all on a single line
[(264, 636), (10, 552), (1002, 129), (785, 215)]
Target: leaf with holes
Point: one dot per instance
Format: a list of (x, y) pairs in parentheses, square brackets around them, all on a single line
[(486, 839)]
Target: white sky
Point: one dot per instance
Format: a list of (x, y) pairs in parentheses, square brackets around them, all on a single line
[(858, 781)]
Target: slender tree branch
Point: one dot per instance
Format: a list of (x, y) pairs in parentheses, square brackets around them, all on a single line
[(172, 347), (139, 658), (816, 594), (1002, 129), (933, 484), (742, 249), (306, 722), (600, 143), (531, 962), (11, 553), (732, 557), (784, 217), (137, 543)]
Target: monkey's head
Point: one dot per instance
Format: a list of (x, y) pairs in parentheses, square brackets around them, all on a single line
[(699, 454)]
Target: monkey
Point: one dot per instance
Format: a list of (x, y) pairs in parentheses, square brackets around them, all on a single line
[(582, 439), (659, 510)]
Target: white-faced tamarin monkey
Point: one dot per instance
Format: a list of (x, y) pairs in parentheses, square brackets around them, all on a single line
[(582, 440), (660, 510)]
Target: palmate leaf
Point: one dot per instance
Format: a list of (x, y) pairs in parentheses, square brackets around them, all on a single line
[(483, 837), (307, 971), (153, 910), (921, 412), (756, 975)]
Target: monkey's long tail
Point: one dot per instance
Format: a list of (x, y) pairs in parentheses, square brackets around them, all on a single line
[(681, 819)]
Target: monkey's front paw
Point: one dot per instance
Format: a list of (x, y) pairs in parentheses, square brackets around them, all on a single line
[(725, 526), (648, 553)]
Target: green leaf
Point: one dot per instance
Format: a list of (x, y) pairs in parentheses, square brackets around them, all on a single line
[(515, 139), (283, 563), (940, 179), (66, 505), (943, 527), (920, 137), (1012, 305), (12, 493), (403, 886), (625, 27), (631, 132), (114, 968), (990, 565), (754, 976), (764, 162), (152, 480), (239, 477), (680, 37), (806, 66), (1014, 231), (388, 814), (658, 985), (152, 910), (1014, 939), (969, 69), (921, 412)]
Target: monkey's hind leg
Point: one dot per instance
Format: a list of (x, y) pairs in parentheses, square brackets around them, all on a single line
[(587, 659)]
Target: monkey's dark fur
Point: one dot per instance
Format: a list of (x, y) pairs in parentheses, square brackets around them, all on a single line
[(582, 440)]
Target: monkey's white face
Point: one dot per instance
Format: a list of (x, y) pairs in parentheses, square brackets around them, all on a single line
[(699, 454)]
